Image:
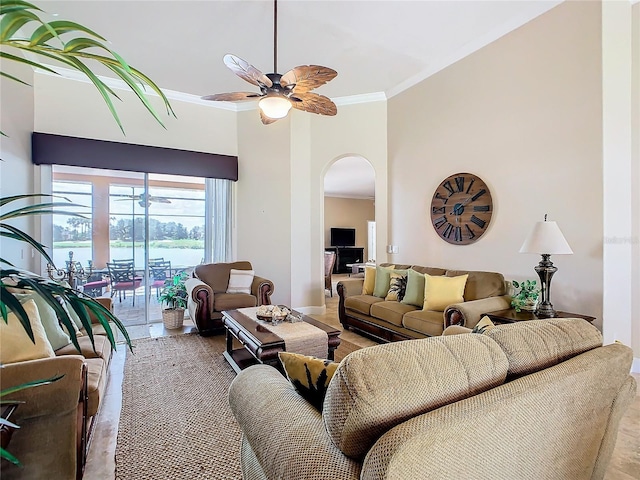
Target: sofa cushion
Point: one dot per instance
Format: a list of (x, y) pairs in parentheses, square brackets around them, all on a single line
[(377, 388), (57, 337), (441, 291), (391, 312), (480, 284), (537, 344), (15, 344), (216, 275), (427, 322), (369, 280), (310, 376), (397, 287), (240, 281), (102, 347), (483, 325), (430, 270), (361, 303), (231, 301), (96, 383)]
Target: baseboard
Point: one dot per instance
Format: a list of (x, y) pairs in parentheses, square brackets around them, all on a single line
[(635, 366)]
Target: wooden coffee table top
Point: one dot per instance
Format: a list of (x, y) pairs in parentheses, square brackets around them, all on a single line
[(262, 335)]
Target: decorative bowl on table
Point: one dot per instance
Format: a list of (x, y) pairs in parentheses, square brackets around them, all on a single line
[(272, 313)]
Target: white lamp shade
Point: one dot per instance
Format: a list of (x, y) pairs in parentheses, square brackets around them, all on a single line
[(275, 107), (546, 238)]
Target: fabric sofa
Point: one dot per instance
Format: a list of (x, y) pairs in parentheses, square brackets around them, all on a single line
[(208, 296), (392, 320), (534, 400), (56, 420)]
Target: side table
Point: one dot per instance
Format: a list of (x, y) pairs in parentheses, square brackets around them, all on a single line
[(511, 316)]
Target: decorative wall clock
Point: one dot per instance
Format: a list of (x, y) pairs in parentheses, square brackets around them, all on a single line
[(461, 208)]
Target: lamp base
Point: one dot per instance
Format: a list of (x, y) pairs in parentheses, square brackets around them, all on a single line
[(545, 310)]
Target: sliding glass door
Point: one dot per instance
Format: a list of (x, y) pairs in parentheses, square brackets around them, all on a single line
[(135, 219)]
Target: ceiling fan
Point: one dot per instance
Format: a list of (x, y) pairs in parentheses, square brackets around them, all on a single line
[(145, 200), (278, 93)]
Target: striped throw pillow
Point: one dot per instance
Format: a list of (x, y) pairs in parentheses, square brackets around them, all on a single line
[(240, 281)]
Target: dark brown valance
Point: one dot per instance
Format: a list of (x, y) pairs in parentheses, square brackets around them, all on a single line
[(50, 149)]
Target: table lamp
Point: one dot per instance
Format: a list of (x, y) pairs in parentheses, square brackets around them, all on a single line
[(546, 239)]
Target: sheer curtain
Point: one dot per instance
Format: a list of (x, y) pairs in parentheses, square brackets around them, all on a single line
[(220, 211)]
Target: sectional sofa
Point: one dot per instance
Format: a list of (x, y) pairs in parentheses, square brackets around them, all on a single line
[(390, 320)]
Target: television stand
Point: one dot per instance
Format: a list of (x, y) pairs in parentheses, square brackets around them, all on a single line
[(345, 255)]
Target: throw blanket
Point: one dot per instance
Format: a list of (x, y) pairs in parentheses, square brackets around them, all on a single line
[(299, 337)]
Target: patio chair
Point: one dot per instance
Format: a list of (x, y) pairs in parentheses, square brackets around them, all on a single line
[(122, 277), (160, 270)]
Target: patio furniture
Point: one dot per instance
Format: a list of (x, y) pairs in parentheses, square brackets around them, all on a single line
[(160, 270), (122, 277)]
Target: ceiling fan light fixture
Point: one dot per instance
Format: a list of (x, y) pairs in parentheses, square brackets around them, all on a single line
[(275, 107)]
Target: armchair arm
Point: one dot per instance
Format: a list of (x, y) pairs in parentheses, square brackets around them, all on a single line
[(57, 398), (467, 314), (285, 432), (199, 300), (261, 288)]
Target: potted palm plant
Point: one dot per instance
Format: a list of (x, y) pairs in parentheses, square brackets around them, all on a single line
[(174, 295)]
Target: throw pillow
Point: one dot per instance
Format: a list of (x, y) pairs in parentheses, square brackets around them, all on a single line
[(57, 337), (310, 376), (397, 288), (483, 325), (369, 280), (240, 281), (75, 319), (414, 293), (441, 291), (15, 344), (383, 278)]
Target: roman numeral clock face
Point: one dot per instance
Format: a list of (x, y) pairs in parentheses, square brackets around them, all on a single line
[(461, 209)]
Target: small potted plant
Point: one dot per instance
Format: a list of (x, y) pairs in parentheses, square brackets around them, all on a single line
[(526, 298), (174, 295)]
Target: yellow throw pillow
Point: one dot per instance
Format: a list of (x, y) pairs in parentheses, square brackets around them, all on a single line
[(15, 344), (441, 291), (309, 375), (369, 280)]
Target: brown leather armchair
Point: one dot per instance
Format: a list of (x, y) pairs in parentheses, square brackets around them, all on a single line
[(208, 298)]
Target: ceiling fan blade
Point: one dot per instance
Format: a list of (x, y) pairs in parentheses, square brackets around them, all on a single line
[(307, 77), (313, 103), (158, 199), (267, 120), (232, 96), (246, 71)]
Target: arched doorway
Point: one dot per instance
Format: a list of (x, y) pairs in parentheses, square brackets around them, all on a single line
[(349, 213)]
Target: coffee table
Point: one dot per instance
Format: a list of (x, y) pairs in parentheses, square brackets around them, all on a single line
[(259, 345), (511, 316)]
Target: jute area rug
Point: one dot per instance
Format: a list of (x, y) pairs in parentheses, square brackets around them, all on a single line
[(176, 422)]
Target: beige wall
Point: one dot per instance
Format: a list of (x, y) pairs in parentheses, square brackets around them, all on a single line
[(348, 213), (523, 113), (16, 170)]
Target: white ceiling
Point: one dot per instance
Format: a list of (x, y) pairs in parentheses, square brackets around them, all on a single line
[(377, 47)]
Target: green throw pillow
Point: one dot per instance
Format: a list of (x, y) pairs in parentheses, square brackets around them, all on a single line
[(56, 336), (414, 293), (310, 376), (383, 278)]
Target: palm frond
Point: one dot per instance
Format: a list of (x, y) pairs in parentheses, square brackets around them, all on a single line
[(17, 15)]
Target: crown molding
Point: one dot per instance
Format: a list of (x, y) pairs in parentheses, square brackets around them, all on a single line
[(118, 84)]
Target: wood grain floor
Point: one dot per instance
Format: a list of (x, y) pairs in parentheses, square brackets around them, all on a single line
[(625, 461)]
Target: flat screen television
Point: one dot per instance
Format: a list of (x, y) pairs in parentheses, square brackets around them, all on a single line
[(343, 237)]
